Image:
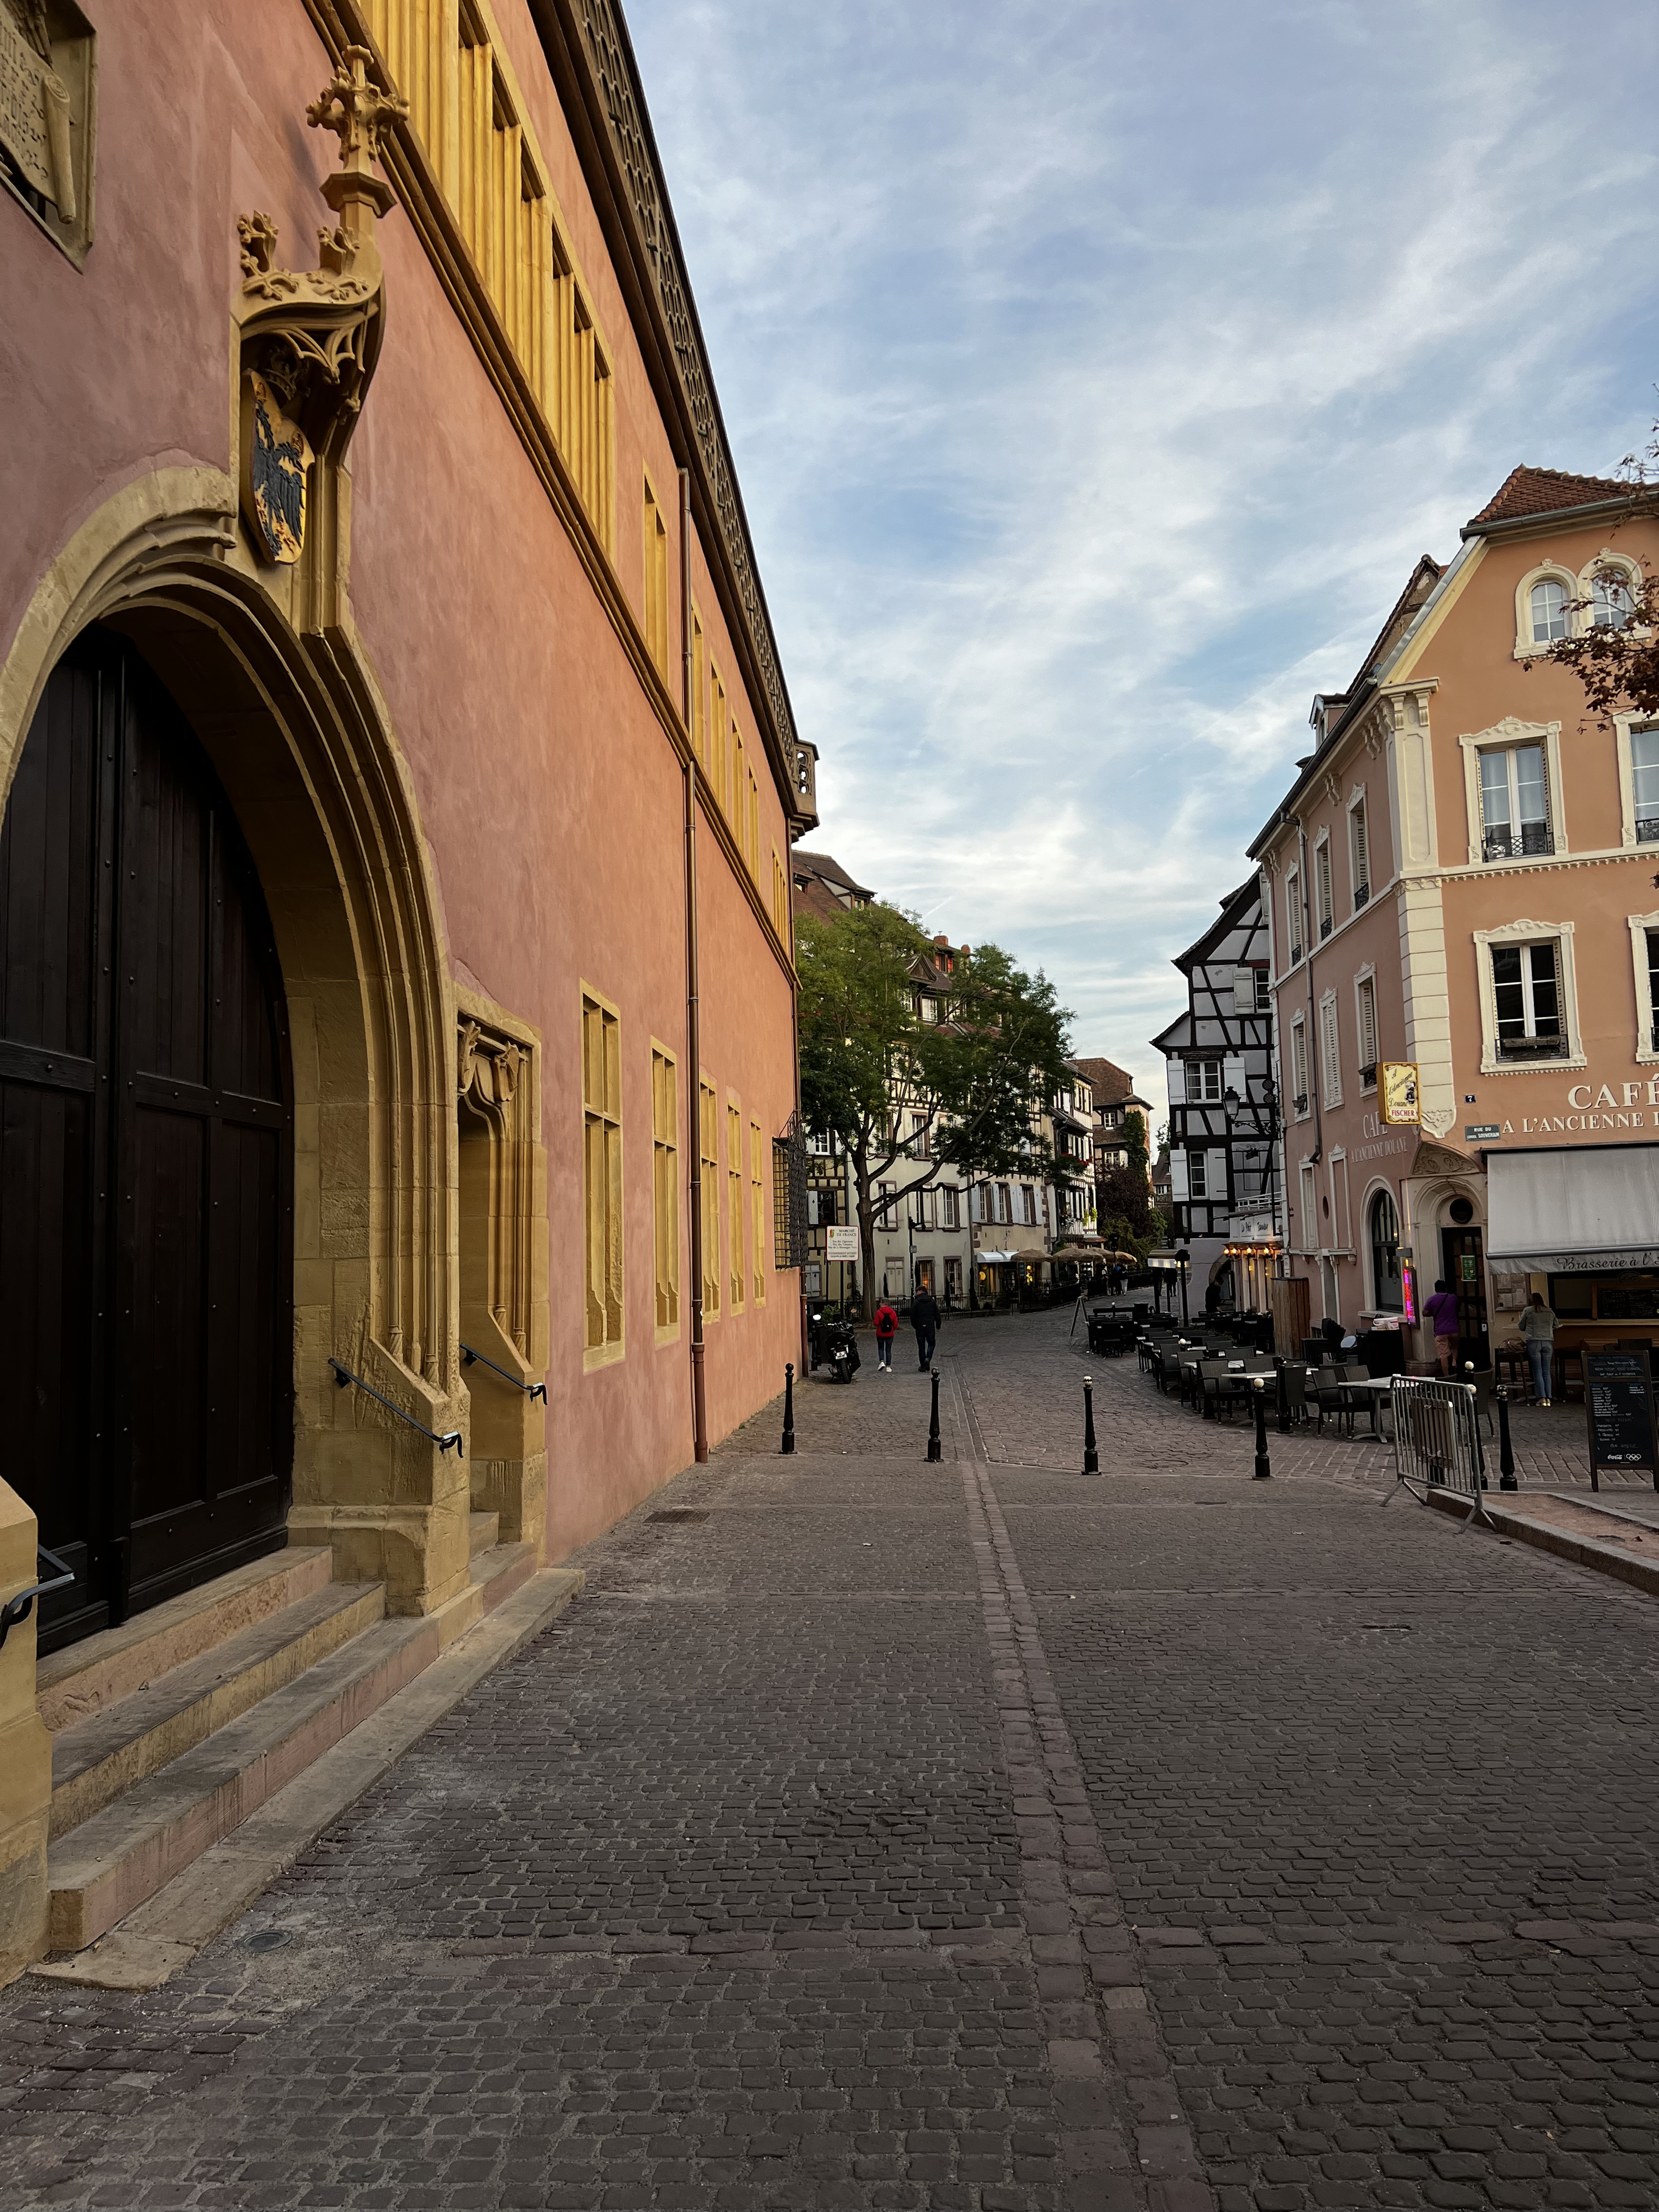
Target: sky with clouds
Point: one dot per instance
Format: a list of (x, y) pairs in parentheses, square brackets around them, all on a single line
[(1095, 371)]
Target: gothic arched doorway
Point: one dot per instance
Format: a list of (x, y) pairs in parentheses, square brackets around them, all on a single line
[(146, 1150)]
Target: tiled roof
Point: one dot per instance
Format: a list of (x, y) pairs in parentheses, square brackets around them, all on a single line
[(1545, 491), (1109, 1083), (817, 880), (831, 871)]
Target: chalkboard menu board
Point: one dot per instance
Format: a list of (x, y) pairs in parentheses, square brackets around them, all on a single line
[(1619, 1400)]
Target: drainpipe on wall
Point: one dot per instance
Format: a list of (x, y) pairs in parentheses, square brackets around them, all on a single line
[(693, 1015)]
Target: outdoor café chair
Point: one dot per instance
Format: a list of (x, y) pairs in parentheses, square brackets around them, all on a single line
[(1332, 1399), (1295, 1380), (1214, 1386)]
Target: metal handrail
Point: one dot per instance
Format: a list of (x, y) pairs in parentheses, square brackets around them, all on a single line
[(17, 1609), (531, 1390), (343, 1375)]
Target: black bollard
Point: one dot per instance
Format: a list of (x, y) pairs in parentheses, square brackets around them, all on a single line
[(1090, 1456), (1282, 1391), (789, 1444), (935, 1449), (1506, 1449), (1258, 1391)]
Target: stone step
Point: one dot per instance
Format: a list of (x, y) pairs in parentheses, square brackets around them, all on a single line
[(96, 1760), (112, 1863), (72, 1684), (173, 1926), (500, 1571), (484, 1532)]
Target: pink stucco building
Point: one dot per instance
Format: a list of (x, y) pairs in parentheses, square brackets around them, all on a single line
[(400, 780), (1465, 876)]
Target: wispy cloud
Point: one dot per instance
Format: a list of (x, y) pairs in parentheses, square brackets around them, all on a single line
[(1096, 372)]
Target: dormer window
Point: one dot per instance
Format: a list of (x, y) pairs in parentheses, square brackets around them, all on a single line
[(1611, 605), (1547, 603)]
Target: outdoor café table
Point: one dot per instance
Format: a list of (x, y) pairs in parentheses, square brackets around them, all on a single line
[(1510, 1359), (1240, 1382), (1377, 1390)]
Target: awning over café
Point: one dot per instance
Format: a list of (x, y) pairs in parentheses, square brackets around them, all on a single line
[(1573, 1213)]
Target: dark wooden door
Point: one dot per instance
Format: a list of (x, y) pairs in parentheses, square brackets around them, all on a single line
[(1463, 1266), (145, 1150)]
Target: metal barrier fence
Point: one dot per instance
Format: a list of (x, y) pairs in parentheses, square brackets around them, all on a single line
[(1437, 1438)]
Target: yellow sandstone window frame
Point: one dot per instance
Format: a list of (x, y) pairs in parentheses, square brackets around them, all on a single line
[(758, 1212), (708, 1141), (699, 691), (666, 1189), (655, 545), (715, 764), (735, 1269), (467, 110), (604, 1302)]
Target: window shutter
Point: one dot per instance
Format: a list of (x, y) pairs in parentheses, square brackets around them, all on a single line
[(1362, 848), (1233, 1077), (1178, 1174), (1177, 1083)]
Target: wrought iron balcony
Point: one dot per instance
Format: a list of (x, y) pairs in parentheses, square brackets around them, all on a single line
[(1368, 1077), (1324, 927), (1300, 1103), (1532, 1047), (1501, 843), (1647, 829), (1361, 895)]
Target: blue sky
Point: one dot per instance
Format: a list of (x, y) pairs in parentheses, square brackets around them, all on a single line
[(1095, 372)]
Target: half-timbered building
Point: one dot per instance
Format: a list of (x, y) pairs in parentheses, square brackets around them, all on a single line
[(1225, 1187)]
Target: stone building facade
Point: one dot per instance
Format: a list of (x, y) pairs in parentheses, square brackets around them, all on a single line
[(400, 789), (1462, 878)]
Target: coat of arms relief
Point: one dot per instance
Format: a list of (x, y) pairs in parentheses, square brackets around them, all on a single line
[(310, 337)]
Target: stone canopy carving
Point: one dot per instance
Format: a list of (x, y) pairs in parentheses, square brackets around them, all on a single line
[(310, 338), (488, 1070)]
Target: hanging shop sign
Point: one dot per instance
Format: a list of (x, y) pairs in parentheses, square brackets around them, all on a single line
[(1398, 1091)]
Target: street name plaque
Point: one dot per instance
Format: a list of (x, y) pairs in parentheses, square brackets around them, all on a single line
[(1618, 1405)]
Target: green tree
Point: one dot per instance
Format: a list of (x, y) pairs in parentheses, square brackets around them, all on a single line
[(1618, 662), (1134, 1143), (903, 1094)]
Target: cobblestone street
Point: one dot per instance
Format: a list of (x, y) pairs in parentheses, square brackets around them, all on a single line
[(875, 1834)]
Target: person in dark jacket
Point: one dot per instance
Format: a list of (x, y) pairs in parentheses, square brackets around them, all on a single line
[(924, 1319)]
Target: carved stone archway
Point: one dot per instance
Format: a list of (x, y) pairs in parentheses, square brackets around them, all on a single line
[(301, 740)]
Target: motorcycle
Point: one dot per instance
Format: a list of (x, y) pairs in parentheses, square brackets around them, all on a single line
[(838, 1349)]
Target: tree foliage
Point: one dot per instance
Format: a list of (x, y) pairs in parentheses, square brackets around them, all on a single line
[(1617, 666), (870, 1065)]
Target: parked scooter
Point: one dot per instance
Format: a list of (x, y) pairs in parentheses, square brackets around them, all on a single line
[(837, 1349)]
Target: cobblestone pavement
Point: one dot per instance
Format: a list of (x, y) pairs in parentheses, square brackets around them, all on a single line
[(872, 1834)]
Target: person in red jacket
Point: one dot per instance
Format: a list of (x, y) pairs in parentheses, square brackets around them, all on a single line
[(886, 1330)]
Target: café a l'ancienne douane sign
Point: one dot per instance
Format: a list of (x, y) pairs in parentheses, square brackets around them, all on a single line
[(1591, 1109)]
